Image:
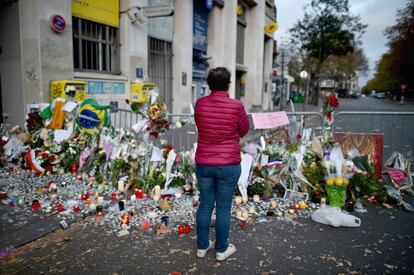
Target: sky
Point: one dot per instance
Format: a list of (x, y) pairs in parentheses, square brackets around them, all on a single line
[(378, 14)]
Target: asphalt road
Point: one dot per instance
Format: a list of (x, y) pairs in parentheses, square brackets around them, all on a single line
[(384, 244)]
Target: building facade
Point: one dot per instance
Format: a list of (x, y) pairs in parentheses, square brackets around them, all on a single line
[(109, 44)]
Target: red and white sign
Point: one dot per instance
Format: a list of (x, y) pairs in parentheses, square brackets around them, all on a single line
[(58, 23)]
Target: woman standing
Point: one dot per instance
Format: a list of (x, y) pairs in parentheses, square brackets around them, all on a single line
[(221, 121)]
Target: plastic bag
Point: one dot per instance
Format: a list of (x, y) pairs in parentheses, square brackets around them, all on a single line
[(335, 217)]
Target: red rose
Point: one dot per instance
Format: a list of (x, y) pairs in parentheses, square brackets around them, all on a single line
[(44, 155), (333, 101), (52, 158), (298, 136)]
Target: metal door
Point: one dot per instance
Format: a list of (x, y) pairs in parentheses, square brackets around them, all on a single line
[(160, 68)]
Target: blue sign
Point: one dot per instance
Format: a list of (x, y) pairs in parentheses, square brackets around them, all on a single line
[(209, 4), (200, 26)]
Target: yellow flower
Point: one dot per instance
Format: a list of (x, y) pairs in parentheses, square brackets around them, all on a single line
[(330, 181), (339, 181)]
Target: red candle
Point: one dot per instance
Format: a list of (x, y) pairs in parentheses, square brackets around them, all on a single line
[(76, 208), (113, 196), (125, 218), (296, 206), (3, 195), (74, 168), (138, 193), (181, 229), (146, 225), (36, 205), (59, 207), (187, 228)]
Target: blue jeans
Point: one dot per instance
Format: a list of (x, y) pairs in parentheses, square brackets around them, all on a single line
[(216, 185)]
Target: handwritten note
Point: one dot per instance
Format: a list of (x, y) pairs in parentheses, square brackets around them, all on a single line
[(269, 120)]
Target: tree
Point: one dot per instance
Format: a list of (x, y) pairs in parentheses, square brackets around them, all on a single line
[(401, 43), (396, 66), (385, 79), (327, 29), (346, 67)]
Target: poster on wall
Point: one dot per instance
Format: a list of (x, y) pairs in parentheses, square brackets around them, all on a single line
[(101, 87), (367, 144)]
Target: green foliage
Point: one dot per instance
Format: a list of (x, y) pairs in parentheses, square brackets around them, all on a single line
[(366, 186), (116, 169), (395, 67)]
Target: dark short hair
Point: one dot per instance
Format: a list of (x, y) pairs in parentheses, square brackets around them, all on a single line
[(218, 79)]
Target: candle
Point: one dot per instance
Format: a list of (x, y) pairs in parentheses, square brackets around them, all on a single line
[(88, 201), (244, 214), (113, 196), (100, 200), (76, 208), (196, 198), (302, 205), (98, 218), (157, 197), (157, 190), (138, 193), (291, 211), (238, 199), (121, 205), (146, 225), (181, 229), (59, 207), (245, 198), (121, 185), (36, 205), (273, 203), (125, 218), (84, 197), (323, 202), (295, 206), (256, 198), (92, 206), (133, 197)]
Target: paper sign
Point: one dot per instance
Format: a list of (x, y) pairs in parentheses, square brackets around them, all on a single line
[(69, 106), (61, 135), (170, 162), (156, 154), (139, 126), (397, 175), (246, 165), (269, 120)]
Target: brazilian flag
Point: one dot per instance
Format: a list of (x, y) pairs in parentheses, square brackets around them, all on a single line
[(92, 116)]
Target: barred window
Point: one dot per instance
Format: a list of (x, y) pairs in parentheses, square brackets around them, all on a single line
[(95, 47)]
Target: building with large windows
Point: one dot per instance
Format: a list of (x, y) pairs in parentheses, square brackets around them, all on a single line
[(108, 44)]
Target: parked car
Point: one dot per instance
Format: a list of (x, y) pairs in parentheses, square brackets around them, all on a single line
[(353, 94), (380, 95)]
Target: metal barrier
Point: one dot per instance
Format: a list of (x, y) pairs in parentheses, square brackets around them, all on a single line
[(124, 118), (183, 137), (397, 128)]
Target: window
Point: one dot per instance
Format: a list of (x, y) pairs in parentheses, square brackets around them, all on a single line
[(241, 26), (95, 47)]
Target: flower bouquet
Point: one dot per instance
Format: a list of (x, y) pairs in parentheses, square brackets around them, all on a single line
[(330, 103), (157, 122), (336, 185)]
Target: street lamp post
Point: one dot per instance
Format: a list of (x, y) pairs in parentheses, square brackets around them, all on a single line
[(304, 76), (283, 80)]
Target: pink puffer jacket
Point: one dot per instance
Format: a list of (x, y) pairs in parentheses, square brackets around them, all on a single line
[(221, 121)]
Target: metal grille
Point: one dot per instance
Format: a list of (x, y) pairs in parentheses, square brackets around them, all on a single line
[(160, 68), (95, 47)]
